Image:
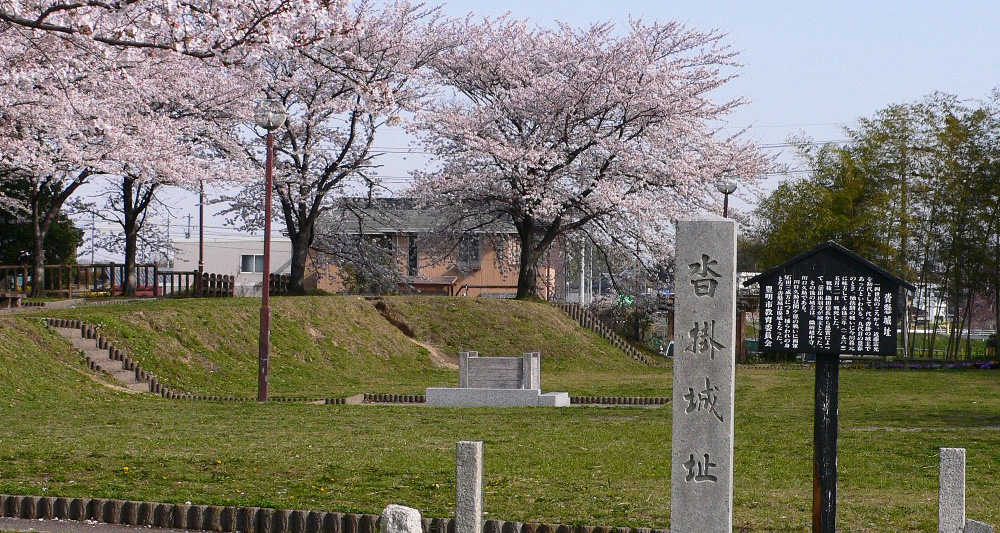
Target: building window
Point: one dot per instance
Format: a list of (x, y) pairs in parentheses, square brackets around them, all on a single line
[(468, 253), (412, 257), (251, 264)]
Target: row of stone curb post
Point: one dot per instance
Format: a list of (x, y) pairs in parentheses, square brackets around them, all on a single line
[(374, 397), (619, 400), (141, 375), (371, 397), (589, 321), (249, 519), (91, 332)]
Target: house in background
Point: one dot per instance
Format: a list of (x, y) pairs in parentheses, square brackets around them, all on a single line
[(482, 263), (240, 257)]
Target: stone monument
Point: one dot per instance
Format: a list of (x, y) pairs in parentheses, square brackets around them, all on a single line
[(704, 376), (497, 382)]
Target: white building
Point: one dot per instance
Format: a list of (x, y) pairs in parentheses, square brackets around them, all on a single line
[(240, 257)]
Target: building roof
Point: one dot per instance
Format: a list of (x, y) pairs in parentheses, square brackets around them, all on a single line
[(401, 215)]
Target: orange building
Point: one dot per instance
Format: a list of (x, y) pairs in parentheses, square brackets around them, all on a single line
[(483, 262)]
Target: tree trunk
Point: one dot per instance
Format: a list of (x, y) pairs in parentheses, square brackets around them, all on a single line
[(301, 242), (41, 220), (38, 261), (527, 273), (136, 197), (131, 246)]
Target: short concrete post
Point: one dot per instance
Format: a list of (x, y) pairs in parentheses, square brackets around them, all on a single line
[(951, 491), (400, 519), (469, 488)]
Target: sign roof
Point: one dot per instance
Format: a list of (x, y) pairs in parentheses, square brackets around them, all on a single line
[(828, 248)]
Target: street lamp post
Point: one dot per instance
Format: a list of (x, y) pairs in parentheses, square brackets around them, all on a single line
[(726, 186), (270, 115)]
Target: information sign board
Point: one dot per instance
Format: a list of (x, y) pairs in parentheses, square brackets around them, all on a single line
[(829, 300)]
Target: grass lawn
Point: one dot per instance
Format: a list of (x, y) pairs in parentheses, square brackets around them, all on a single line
[(66, 434)]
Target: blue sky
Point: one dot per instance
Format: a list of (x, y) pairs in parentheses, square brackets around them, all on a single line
[(813, 66)]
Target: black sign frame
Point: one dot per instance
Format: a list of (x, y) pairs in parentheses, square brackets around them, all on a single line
[(829, 300)]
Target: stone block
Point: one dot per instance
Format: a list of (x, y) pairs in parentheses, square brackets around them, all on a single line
[(130, 513), (281, 520), (554, 399), (400, 519), (112, 511), (511, 527), (60, 508), (975, 526), (332, 523), (298, 521), (145, 514), (476, 397), (246, 519), (951, 490), (163, 515), (179, 515), (350, 523), (494, 526)]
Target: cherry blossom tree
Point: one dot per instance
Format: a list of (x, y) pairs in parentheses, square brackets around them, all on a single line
[(566, 131), (70, 115), (339, 94), (198, 28)]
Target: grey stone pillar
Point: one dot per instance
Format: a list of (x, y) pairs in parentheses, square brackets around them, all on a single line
[(701, 476), (531, 371), (469, 488), (463, 369), (951, 491)]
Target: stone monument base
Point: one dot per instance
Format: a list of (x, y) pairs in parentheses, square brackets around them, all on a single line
[(475, 397)]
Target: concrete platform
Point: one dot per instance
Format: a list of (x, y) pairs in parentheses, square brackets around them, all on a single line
[(479, 397)]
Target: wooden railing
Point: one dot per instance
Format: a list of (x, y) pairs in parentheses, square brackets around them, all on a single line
[(278, 284), (105, 279)]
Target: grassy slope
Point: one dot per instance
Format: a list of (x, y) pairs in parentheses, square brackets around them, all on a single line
[(336, 346), (65, 435)]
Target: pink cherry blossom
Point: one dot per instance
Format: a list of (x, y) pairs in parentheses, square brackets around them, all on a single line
[(562, 131)]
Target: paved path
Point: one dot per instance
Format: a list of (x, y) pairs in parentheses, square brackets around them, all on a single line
[(72, 526)]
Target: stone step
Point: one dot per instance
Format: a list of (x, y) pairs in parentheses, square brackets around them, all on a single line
[(98, 355), (139, 386), (125, 376), (102, 359)]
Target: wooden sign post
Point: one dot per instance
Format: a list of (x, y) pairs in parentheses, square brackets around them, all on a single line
[(828, 301)]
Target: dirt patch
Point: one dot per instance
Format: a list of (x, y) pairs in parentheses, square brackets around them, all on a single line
[(394, 317), (438, 357)]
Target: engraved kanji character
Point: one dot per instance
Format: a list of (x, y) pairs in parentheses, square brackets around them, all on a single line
[(702, 337), (702, 274), (704, 400), (698, 470)]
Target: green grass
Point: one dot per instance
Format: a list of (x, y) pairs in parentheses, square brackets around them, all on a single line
[(329, 346), (65, 434)]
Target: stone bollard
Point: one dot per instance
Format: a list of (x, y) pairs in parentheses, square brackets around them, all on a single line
[(951, 491), (469, 487), (400, 519)]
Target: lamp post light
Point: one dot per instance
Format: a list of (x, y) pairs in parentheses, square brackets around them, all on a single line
[(270, 115), (726, 186)]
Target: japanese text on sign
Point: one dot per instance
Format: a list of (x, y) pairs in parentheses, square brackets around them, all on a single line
[(843, 314)]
